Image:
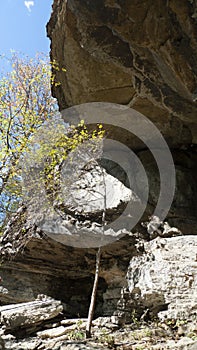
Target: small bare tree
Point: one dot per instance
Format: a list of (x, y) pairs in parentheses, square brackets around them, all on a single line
[(97, 268)]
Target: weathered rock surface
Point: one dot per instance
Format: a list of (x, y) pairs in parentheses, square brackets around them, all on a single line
[(141, 53), (23, 315), (76, 220), (163, 281), (35, 264)]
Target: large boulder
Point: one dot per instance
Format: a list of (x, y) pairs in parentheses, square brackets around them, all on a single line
[(163, 280)]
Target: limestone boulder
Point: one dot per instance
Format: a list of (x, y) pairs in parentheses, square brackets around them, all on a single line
[(163, 280)]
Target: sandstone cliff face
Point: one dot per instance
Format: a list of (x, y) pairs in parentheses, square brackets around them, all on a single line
[(141, 54)]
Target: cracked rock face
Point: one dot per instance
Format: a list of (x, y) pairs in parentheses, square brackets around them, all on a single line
[(164, 279)]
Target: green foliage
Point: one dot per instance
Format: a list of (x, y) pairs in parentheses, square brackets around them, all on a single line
[(26, 106), (78, 333), (141, 333), (106, 338), (56, 68), (135, 319), (26, 103), (63, 145), (175, 323), (192, 335), (51, 148)]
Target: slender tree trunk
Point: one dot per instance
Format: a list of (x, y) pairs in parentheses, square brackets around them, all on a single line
[(97, 269), (93, 296)]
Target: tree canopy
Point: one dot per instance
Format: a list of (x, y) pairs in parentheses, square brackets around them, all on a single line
[(26, 108), (26, 103)]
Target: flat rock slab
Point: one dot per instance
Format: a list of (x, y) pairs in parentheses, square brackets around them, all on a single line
[(27, 314), (60, 331), (182, 344), (71, 321), (55, 332), (91, 346)]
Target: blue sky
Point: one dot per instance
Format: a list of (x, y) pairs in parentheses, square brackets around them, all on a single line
[(23, 27)]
